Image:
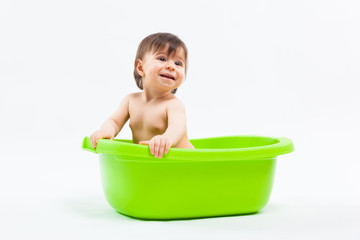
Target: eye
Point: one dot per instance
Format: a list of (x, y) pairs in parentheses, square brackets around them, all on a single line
[(162, 59), (178, 63)]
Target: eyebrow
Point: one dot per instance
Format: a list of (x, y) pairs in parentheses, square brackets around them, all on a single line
[(163, 52), (182, 59)]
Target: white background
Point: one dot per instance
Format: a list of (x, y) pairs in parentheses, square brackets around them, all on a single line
[(273, 68)]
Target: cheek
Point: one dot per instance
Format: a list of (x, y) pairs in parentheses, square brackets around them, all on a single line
[(156, 67), (181, 72), (153, 70)]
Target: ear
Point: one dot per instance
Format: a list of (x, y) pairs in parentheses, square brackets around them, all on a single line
[(139, 67)]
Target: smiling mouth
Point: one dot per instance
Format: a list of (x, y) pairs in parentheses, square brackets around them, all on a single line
[(167, 76)]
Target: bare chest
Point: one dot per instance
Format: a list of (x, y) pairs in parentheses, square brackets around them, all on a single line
[(147, 121)]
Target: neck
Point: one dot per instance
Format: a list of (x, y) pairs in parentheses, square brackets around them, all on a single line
[(152, 95)]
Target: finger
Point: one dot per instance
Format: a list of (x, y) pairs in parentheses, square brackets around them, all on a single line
[(167, 146), (92, 142), (151, 145), (144, 142), (156, 147), (161, 149), (95, 140)]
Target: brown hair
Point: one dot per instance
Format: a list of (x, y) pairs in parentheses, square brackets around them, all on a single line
[(153, 43)]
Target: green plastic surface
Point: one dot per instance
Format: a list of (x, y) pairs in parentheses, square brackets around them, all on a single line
[(222, 176)]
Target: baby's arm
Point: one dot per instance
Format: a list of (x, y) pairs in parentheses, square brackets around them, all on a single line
[(176, 122), (112, 126), (174, 133)]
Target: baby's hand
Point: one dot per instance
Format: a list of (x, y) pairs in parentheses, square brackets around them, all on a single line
[(99, 134), (158, 145)]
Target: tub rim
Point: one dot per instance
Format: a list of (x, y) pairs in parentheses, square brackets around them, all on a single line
[(125, 147)]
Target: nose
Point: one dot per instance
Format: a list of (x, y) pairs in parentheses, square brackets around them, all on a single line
[(169, 66)]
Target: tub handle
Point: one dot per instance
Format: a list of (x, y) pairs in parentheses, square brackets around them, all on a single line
[(87, 145)]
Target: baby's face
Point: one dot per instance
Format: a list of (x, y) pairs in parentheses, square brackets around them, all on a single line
[(163, 72)]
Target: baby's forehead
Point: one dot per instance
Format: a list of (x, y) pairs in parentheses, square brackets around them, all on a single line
[(179, 51)]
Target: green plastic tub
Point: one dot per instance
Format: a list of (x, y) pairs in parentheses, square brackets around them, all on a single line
[(222, 176)]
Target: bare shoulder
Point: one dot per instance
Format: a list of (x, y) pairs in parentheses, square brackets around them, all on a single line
[(175, 103), (133, 96)]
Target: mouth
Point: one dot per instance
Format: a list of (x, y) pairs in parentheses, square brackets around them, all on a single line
[(167, 76)]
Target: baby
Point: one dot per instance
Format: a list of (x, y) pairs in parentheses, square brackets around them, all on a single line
[(157, 117)]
